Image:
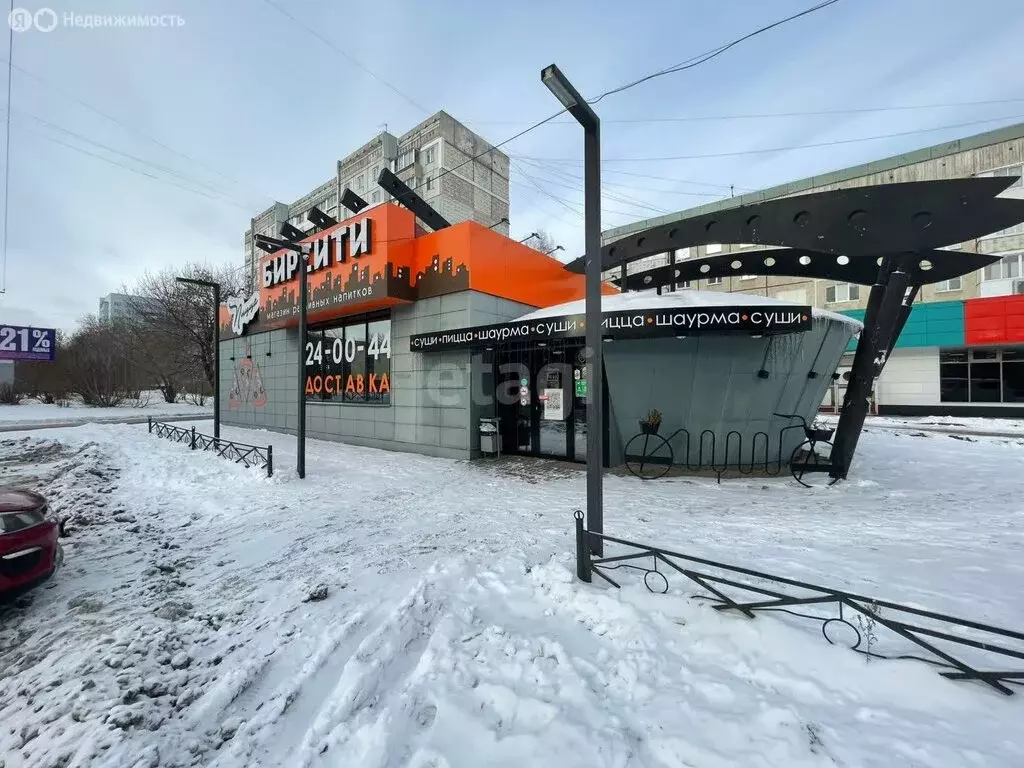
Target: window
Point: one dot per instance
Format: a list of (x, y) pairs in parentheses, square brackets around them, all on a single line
[(683, 285), (981, 376), (374, 174), (428, 156), (747, 277), (714, 281), (430, 183), (953, 284), (359, 183), (1008, 266), (350, 362), (682, 254), (711, 248), (842, 292), (375, 197), (1010, 170)]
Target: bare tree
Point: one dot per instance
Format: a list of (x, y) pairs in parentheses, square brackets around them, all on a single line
[(172, 328), (543, 242), (95, 360)]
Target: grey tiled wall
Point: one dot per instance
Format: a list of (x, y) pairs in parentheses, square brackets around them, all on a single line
[(433, 407)]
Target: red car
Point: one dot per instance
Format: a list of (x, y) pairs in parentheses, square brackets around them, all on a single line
[(29, 551)]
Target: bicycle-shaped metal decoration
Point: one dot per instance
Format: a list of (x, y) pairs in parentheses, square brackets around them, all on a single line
[(650, 456)]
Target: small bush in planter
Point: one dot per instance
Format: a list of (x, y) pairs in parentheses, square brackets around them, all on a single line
[(651, 423)]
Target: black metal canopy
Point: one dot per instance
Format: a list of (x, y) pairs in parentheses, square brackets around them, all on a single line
[(922, 268), (879, 220)]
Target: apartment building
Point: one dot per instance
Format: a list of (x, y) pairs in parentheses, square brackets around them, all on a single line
[(962, 352), (434, 158)]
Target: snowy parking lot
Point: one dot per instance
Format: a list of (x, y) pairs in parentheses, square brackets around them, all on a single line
[(398, 610)]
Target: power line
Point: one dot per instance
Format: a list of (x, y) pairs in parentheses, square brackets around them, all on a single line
[(164, 169), (708, 55), (616, 197), (778, 149), (767, 115), (130, 128), (348, 56), (7, 145), (579, 179), (138, 171)]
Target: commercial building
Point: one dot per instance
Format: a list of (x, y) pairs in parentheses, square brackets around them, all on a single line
[(452, 168), (962, 351), (416, 338)]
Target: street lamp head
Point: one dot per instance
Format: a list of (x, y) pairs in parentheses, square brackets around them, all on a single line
[(553, 78)]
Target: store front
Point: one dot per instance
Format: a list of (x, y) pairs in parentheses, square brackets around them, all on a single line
[(375, 281), (415, 338)]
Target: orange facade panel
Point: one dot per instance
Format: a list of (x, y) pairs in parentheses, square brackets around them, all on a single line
[(376, 260)]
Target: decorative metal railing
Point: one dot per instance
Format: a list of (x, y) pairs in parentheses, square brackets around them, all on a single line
[(240, 453), (836, 610), (649, 455)]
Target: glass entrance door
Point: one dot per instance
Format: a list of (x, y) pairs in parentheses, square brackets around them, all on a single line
[(536, 401)]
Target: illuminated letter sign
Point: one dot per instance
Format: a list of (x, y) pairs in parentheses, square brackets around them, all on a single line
[(358, 236)]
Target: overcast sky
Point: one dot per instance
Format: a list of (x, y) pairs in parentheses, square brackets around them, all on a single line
[(241, 105)]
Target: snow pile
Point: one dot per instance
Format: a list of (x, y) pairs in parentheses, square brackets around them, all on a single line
[(401, 610), (32, 412), (516, 666)]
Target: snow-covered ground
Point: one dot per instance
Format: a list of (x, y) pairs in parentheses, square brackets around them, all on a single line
[(448, 630), (32, 412), (954, 424)]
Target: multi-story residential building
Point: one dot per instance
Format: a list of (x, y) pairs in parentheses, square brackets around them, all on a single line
[(452, 168), (962, 351)]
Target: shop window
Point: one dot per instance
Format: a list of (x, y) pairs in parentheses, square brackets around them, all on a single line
[(953, 284), (982, 376), (350, 362), (835, 294), (683, 285), (711, 248), (985, 382), (714, 281), (1013, 376), (953, 377)]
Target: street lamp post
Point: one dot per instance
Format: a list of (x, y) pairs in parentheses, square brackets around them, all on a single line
[(216, 346), (577, 106), (302, 249)]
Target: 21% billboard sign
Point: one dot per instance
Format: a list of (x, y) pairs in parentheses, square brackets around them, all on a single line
[(20, 343)]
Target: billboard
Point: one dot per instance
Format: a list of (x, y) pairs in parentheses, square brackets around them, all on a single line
[(20, 343)]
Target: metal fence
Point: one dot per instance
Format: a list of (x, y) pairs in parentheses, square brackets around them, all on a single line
[(240, 453), (878, 629)]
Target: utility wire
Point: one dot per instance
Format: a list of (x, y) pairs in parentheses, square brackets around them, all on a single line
[(777, 149), (708, 55), (349, 57), (129, 128), (767, 115), (7, 145), (138, 171), (141, 161), (579, 182)]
